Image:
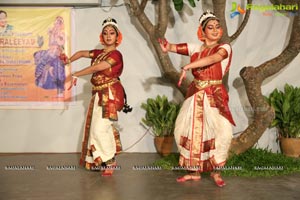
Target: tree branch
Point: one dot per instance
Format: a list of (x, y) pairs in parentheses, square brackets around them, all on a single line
[(143, 4), (163, 17), (243, 24), (290, 52), (143, 19)]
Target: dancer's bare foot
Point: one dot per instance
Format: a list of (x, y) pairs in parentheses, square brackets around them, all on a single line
[(188, 177), (217, 179), (109, 169)]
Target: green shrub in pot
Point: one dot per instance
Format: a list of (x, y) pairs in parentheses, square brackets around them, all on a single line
[(160, 115)]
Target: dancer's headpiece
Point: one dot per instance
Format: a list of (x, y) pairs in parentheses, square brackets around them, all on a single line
[(205, 17)]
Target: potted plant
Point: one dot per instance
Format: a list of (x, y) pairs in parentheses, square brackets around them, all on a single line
[(286, 105), (160, 117)]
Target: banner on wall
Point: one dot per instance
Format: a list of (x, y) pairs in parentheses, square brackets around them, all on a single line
[(31, 73)]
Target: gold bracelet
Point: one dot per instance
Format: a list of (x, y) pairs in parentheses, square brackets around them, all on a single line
[(91, 54)]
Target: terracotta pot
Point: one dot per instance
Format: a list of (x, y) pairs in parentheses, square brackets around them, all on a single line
[(290, 146), (158, 141), (167, 145), (164, 145)]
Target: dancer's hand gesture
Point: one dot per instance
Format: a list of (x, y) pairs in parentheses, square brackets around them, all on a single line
[(73, 81), (64, 58), (182, 76), (164, 45)]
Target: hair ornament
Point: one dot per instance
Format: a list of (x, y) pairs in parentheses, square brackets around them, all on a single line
[(109, 21), (206, 15)]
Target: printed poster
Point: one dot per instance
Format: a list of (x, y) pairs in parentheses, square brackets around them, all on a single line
[(31, 72)]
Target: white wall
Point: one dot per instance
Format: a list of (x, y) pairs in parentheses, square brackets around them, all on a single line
[(61, 130)]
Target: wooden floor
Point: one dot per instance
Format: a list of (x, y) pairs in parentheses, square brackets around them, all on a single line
[(58, 177)]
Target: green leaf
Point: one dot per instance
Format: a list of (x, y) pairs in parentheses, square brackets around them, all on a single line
[(178, 4), (192, 3)]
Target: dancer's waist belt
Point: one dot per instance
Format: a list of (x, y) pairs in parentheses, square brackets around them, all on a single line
[(205, 83), (105, 85)]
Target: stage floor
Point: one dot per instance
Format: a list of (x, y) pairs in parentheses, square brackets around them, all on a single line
[(58, 177)]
